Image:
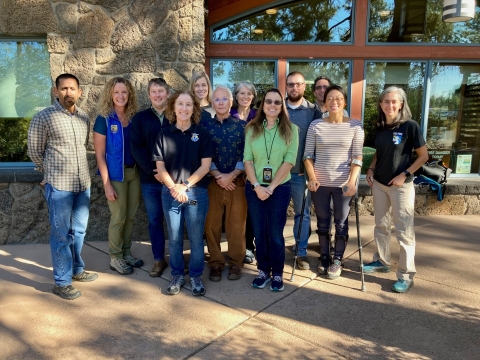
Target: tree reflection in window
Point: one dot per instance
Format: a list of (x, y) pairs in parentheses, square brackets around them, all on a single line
[(418, 21), (25, 88), (294, 21)]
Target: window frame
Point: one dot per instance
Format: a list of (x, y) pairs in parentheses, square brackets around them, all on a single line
[(260, 8)]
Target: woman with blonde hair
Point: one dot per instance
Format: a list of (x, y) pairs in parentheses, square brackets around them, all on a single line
[(201, 87), (271, 145), (116, 165)]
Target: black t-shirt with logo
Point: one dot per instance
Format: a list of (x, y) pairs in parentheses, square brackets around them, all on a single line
[(183, 151), (395, 149)]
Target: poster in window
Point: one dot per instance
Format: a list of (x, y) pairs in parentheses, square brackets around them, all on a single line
[(464, 164)]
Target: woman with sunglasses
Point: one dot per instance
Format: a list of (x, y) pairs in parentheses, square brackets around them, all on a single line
[(333, 159), (271, 145), (183, 153), (117, 167)]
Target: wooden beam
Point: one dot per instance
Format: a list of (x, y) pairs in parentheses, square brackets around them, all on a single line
[(356, 89)]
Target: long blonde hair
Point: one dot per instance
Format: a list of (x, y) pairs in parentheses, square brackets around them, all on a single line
[(106, 106), (285, 126), (196, 76)]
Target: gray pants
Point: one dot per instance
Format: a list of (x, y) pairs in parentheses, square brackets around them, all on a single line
[(400, 199)]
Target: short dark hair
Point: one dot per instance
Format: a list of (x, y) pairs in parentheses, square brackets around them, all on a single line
[(321, 77), (66, 76), (160, 82), (335, 87), (295, 73)]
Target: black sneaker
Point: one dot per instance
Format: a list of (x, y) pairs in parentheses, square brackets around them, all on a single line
[(85, 277), (261, 280), (197, 286), (66, 292), (277, 283)]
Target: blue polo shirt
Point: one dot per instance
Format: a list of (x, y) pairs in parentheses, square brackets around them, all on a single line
[(183, 151)]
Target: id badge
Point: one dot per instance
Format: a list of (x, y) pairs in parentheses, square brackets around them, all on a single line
[(267, 174)]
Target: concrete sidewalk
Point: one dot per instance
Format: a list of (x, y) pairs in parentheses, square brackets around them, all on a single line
[(124, 317)]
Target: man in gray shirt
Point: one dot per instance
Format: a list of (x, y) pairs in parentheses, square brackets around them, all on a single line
[(302, 113), (57, 139)]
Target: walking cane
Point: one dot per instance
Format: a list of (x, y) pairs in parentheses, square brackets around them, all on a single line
[(299, 232), (359, 239)]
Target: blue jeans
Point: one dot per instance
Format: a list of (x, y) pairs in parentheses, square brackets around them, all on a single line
[(298, 192), (152, 197), (269, 217), (68, 215), (341, 207), (193, 213)]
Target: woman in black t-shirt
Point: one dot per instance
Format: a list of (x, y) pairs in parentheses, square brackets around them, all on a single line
[(183, 154), (391, 179)]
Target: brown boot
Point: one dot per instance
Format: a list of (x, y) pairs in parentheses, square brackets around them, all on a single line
[(215, 273), (158, 267), (235, 272)]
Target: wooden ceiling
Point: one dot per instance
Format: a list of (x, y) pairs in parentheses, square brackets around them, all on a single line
[(219, 10)]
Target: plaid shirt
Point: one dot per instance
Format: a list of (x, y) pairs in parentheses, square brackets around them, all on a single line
[(57, 146)]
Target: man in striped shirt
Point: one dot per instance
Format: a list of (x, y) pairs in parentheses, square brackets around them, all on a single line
[(57, 140)]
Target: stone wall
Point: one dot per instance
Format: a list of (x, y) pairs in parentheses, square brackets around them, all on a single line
[(99, 39)]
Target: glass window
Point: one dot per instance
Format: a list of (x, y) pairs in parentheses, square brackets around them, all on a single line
[(300, 21), (261, 74), (25, 88), (453, 131), (410, 76), (337, 71), (418, 21)]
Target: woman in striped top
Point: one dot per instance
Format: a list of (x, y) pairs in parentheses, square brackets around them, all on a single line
[(333, 159)]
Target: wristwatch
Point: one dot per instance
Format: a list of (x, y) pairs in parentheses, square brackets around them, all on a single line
[(255, 185), (186, 183), (407, 174)]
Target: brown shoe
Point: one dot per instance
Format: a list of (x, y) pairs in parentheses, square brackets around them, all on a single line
[(158, 268), (302, 263), (215, 273), (235, 272)]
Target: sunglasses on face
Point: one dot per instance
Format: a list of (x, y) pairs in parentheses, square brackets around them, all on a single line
[(270, 102)]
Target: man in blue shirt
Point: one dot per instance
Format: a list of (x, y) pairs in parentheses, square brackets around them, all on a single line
[(226, 192), (302, 113)]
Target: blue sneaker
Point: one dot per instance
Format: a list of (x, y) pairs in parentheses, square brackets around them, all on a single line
[(261, 280), (277, 283), (375, 266), (402, 286), (197, 286), (176, 283)]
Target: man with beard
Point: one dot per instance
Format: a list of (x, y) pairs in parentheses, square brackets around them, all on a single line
[(302, 113), (320, 84), (57, 139), (145, 127)]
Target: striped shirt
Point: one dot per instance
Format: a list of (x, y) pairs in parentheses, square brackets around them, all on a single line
[(333, 146), (57, 143)]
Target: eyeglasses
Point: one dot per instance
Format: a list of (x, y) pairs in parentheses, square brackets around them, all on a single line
[(324, 87), (270, 102), (337, 99), (219, 100), (292, 85)]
